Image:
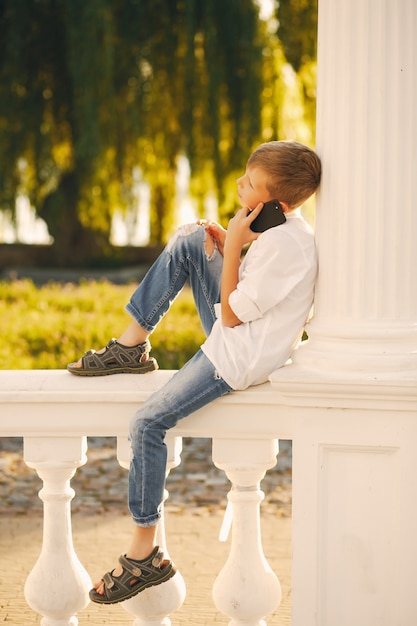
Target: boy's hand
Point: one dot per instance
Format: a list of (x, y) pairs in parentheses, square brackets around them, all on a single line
[(239, 231), (218, 233)]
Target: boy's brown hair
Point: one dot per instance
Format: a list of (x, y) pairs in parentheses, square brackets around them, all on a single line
[(293, 169)]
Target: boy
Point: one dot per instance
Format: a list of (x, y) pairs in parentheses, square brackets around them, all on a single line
[(252, 312)]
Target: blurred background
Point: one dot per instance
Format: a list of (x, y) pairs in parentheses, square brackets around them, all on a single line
[(120, 119)]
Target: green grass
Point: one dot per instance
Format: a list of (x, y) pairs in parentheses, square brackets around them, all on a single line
[(50, 326)]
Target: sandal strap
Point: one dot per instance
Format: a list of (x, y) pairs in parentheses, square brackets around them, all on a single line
[(132, 569), (116, 353), (143, 569)]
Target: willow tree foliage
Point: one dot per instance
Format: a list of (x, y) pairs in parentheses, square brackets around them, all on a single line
[(92, 89), (297, 32)]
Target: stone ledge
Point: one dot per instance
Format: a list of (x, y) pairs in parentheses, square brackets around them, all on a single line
[(55, 403)]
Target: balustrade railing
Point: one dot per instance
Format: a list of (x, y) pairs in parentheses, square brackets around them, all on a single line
[(55, 412), (354, 511)]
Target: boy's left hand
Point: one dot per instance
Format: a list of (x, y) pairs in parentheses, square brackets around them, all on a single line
[(238, 231)]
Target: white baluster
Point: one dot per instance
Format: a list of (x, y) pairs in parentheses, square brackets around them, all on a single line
[(246, 589), (58, 585), (152, 606)]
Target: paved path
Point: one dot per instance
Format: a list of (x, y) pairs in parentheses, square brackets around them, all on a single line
[(101, 529)]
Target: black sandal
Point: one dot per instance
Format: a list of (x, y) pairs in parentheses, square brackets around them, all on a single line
[(136, 576), (117, 359)]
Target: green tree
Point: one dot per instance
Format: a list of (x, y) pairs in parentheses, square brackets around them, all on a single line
[(89, 90), (297, 31), (297, 20)]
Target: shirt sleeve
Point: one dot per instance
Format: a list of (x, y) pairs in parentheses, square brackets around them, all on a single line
[(273, 266)]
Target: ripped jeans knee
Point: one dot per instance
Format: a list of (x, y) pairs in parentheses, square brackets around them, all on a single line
[(198, 234), (190, 255)]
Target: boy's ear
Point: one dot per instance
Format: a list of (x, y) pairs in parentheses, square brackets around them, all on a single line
[(285, 206)]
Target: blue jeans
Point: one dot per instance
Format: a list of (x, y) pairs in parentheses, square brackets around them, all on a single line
[(194, 385)]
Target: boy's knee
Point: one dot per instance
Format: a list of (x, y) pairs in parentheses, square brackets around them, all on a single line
[(195, 233), (209, 245), (184, 231), (135, 428)]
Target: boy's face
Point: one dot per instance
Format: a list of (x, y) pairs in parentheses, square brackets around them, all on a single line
[(251, 187)]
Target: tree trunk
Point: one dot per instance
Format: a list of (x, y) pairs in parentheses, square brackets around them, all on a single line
[(74, 244)]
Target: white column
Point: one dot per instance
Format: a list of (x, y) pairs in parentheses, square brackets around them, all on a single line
[(365, 321), (353, 385), (246, 590), (58, 585)]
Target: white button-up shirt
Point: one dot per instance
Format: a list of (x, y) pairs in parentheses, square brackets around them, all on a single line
[(273, 299)]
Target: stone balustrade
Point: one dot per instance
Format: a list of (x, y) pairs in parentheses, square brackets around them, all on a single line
[(55, 412), (354, 473)]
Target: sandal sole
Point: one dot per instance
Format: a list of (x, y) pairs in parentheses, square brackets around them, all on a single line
[(151, 367)]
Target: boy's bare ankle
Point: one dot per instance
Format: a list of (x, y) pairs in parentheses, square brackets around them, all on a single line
[(128, 343), (140, 552), (133, 335), (142, 544)]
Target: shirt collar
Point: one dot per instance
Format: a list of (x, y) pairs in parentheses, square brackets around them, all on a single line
[(293, 213)]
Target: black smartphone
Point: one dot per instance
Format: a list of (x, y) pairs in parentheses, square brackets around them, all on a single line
[(270, 216)]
